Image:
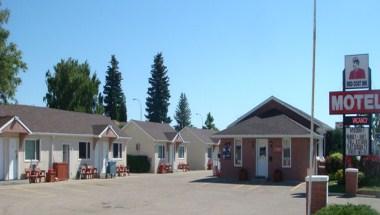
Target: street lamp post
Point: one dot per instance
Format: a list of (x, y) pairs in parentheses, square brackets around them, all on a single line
[(138, 100), (200, 115)]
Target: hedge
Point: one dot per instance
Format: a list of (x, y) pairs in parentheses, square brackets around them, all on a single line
[(138, 163), (348, 209)]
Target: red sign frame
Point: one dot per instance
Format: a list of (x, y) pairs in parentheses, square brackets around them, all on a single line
[(354, 102)]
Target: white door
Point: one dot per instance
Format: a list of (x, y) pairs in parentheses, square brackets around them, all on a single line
[(105, 158), (1, 159), (12, 174), (262, 158)]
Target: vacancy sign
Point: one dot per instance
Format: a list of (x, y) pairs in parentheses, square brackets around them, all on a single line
[(357, 141), (355, 102), (356, 71)]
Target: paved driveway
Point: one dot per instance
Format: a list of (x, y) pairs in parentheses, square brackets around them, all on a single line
[(179, 193)]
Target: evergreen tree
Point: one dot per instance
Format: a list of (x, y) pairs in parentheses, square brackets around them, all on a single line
[(10, 62), (157, 102), (114, 98), (99, 105), (183, 113), (72, 87), (209, 123)]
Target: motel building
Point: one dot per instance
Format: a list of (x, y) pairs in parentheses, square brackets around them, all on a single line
[(43, 136), (272, 137)]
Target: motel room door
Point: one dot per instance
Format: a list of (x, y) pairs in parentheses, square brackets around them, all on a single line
[(66, 157), (1, 159), (12, 173), (262, 158)]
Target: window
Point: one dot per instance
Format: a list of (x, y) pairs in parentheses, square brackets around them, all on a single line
[(161, 151), (209, 152), (117, 150), (32, 149), (238, 161), (84, 150), (286, 153), (137, 147), (181, 151)]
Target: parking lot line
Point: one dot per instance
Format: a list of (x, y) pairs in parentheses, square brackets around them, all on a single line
[(296, 187)]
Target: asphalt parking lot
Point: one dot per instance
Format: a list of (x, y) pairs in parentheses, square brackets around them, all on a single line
[(192, 192)]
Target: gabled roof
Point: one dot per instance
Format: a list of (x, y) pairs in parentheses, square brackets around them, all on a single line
[(204, 135), (279, 125), (42, 120), (291, 112), (273, 117), (157, 131), (6, 121)]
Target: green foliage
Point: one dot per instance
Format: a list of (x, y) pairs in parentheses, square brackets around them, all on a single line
[(183, 113), (114, 98), (348, 209), (361, 179), (157, 102), (209, 123), (72, 87), (334, 141), (339, 176), (334, 162), (10, 62), (138, 163), (371, 168)]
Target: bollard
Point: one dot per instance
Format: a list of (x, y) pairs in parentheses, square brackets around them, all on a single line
[(351, 181), (319, 192)]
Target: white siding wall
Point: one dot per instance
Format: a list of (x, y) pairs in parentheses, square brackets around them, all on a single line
[(147, 146), (196, 151)]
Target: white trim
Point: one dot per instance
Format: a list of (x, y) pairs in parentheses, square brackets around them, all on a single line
[(87, 153), (108, 127), (268, 136), (352, 170), (241, 152), (282, 152), (179, 135), (184, 150), (19, 121), (39, 148), (158, 153), (318, 178), (120, 153)]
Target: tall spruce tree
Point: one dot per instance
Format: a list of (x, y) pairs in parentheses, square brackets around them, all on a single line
[(157, 102), (209, 123), (183, 113), (114, 98)]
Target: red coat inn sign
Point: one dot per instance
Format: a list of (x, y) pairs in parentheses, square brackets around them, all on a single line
[(359, 104)]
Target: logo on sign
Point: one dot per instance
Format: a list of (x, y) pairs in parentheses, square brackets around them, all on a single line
[(356, 71)]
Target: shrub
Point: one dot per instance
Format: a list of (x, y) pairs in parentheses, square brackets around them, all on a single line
[(339, 176), (347, 210), (361, 179), (334, 162), (138, 163)]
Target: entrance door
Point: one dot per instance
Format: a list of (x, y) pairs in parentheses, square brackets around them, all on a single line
[(262, 158), (12, 174), (66, 157), (1, 159)]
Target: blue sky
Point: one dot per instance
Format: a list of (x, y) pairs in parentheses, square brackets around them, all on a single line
[(227, 56)]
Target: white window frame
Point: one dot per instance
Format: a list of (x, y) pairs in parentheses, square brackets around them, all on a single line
[(209, 149), (162, 146), (181, 146), (285, 141), (35, 153), (120, 151), (88, 152), (241, 152)]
